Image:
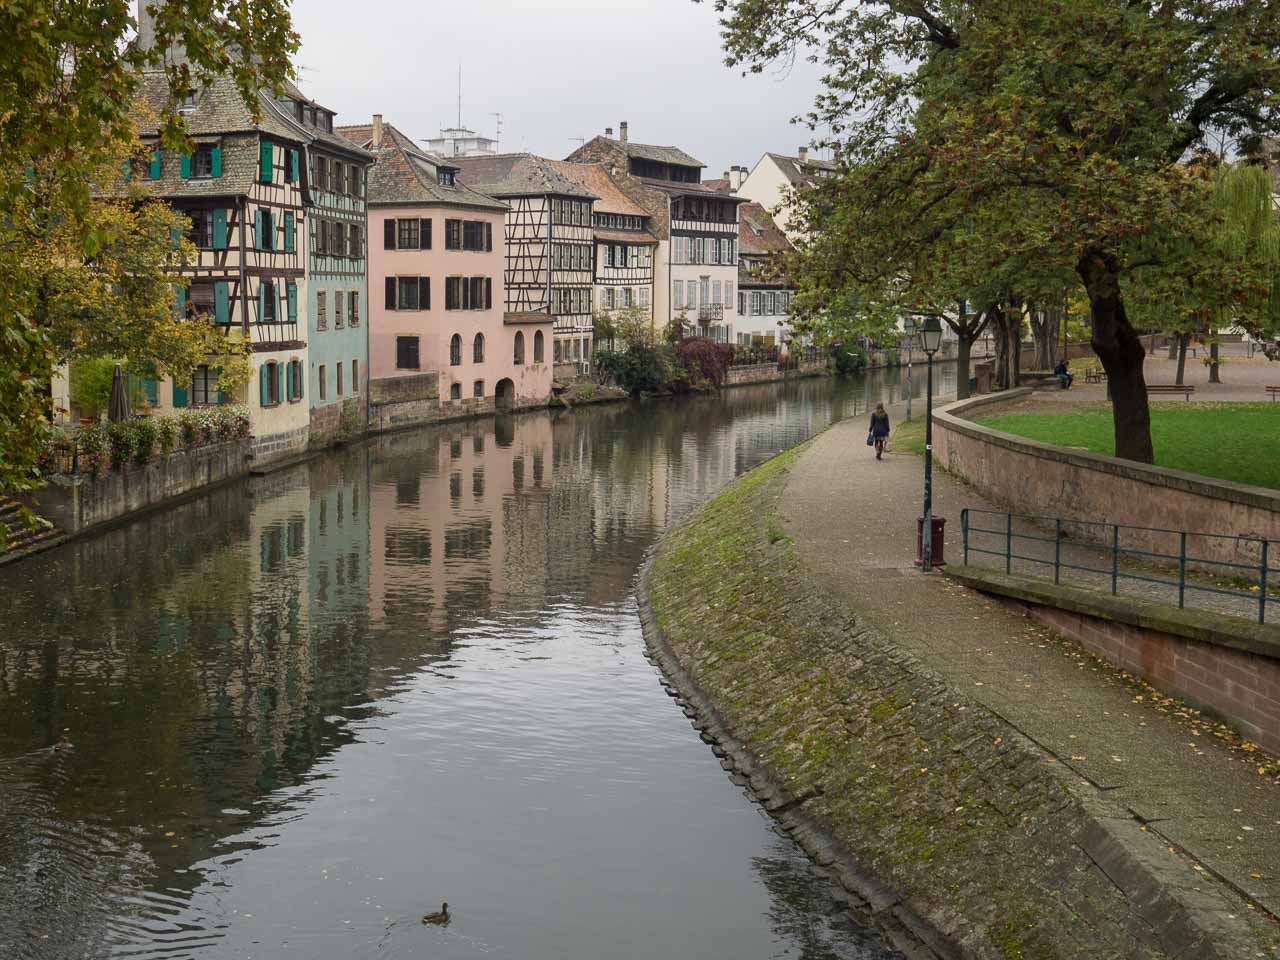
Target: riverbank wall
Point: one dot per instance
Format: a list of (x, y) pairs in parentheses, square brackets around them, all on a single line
[(772, 373), (952, 832)]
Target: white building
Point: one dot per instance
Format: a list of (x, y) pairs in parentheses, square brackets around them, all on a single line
[(461, 142), (773, 179)]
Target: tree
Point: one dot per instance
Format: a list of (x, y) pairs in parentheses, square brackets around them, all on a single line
[(68, 79), (1049, 133)]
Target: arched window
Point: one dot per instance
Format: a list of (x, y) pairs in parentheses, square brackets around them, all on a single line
[(537, 346), (455, 351), (477, 348), (519, 352)]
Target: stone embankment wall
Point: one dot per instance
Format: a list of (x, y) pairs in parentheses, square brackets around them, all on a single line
[(769, 372), (955, 835), (75, 503), (1038, 478)]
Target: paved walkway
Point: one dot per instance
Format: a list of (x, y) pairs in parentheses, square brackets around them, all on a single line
[(853, 522)]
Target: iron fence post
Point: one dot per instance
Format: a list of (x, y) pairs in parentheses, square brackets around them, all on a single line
[(1115, 556), (1182, 569), (1057, 550), (1008, 543), (1262, 585)]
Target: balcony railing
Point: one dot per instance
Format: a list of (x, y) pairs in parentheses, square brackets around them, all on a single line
[(711, 311)]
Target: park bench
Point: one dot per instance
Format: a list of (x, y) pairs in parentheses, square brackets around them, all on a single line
[(1095, 375), (1161, 388), (1272, 391)]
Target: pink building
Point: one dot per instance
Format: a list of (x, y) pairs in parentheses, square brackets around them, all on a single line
[(440, 342)]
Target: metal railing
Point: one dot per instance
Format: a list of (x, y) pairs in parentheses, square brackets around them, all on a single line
[(1112, 554)]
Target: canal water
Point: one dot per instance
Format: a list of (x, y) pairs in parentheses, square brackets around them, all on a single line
[(289, 717)]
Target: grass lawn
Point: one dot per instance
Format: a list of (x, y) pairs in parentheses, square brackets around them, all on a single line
[(1231, 441)]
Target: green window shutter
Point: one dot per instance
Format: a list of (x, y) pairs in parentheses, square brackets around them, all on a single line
[(279, 379), (257, 229), (175, 237), (262, 302), (300, 378), (263, 393), (289, 381), (179, 395), (219, 229), (155, 165), (216, 155), (221, 302), (180, 302), (266, 162), (288, 231), (152, 391), (292, 169), (291, 291), (186, 166)]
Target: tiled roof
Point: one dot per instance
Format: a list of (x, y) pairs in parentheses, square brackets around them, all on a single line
[(660, 154), (517, 175), (624, 236), (796, 172), (404, 173), (593, 178), (720, 185), (692, 189), (758, 234), (218, 109)]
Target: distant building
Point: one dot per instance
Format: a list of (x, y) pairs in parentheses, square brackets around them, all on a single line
[(695, 273), (440, 328), (764, 302), (772, 179), (549, 266), (625, 250), (461, 142)]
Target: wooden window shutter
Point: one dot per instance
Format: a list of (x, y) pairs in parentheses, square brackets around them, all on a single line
[(149, 386), (179, 395), (215, 160), (300, 379), (388, 234), (266, 162), (291, 166), (291, 294), (279, 381), (221, 302), (288, 231), (219, 229), (185, 166), (257, 229), (424, 234), (391, 293), (264, 392), (424, 293), (154, 170), (289, 381), (488, 293), (488, 236), (262, 302)]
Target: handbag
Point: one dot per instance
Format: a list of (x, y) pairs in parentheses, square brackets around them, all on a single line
[(871, 439)]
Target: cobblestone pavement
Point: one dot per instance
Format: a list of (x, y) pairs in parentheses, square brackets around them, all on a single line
[(853, 522)]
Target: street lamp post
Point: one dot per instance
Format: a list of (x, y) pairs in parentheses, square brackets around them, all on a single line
[(909, 327), (930, 341)]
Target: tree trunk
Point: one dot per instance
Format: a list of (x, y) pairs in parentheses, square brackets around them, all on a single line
[(1000, 334), (1214, 376), (1044, 334), (1173, 348), (963, 347), (1118, 347), (1182, 340)]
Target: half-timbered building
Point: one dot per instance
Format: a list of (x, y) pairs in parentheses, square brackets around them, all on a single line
[(764, 300), (549, 240), (625, 250), (444, 339), (337, 275), (242, 186), (695, 272)]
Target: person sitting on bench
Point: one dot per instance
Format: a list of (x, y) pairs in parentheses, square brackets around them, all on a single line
[(1063, 374)]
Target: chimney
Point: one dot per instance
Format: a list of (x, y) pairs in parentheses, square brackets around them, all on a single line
[(804, 154), (146, 25), (377, 130), (622, 131), (727, 178), (739, 176), (608, 132)]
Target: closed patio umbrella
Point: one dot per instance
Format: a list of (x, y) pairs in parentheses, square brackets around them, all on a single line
[(119, 409)]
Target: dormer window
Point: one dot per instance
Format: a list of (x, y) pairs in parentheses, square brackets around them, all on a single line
[(188, 103), (445, 176)]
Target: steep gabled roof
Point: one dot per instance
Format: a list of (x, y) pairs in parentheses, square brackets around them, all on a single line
[(595, 179), (517, 175), (796, 172), (218, 109), (758, 234), (660, 154), (405, 173)]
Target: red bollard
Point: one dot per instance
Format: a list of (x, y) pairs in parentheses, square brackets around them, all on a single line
[(939, 528)]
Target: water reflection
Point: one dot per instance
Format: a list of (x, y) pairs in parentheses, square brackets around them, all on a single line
[(297, 712)]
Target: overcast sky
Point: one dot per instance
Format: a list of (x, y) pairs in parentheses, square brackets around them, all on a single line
[(557, 70)]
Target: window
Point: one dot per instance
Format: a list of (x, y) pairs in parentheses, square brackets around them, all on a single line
[(407, 298), (557, 351), (408, 234), (577, 350), (455, 391), (340, 239), (408, 293), (353, 309), (608, 298), (715, 292), (338, 176), (266, 230), (518, 354), (269, 379), (324, 387), (201, 232), (337, 367), (355, 241), (353, 180), (445, 176), (728, 293), (644, 297), (677, 294), (267, 302), (322, 318), (452, 236), (477, 389), (455, 351), (355, 376), (477, 349), (742, 303), (537, 346), (204, 386), (468, 235), (406, 353), (626, 296), (203, 162), (337, 310)]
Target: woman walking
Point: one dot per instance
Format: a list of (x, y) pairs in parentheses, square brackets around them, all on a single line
[(879, 429)]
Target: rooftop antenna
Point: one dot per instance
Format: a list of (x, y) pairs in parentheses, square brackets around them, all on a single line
[(580, 141), (497, 137), (459, 96)]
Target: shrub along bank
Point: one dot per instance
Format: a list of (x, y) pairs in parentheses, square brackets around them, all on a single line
[(881, 770)]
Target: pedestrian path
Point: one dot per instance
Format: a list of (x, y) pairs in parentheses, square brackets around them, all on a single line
[(853, 520)]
